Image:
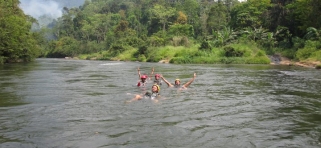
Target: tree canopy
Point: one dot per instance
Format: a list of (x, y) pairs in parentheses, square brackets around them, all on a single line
[(114, 27), (18, 43)]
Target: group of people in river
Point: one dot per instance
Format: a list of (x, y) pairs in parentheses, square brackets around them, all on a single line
[(157, 82)]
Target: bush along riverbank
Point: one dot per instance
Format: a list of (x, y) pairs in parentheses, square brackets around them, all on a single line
[(240, 53), (237, 53)]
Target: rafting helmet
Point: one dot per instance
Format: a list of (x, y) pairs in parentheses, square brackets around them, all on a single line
[(158, 88), (143, 77), (157, 75)]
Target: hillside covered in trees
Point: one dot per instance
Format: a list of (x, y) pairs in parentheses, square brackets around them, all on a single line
[(186, 31)]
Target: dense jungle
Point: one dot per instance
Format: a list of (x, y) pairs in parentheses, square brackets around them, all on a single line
[(174, 31)]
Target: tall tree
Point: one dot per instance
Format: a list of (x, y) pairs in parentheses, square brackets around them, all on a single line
[(17, 43), (217, 19), (307, 13), (249, 14), (163, 14)]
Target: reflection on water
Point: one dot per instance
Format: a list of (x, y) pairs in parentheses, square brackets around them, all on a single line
[(75, 103)]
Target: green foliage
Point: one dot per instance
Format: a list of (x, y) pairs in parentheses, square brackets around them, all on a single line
[(157, 39), (206, 60), (126, 55), (181, 18), (201, 32), (186, 52), (116, 48), (246, 49), (257, 60), (181, 30), (17, 43), (312, 34), (121, 28), (268, 42), (181, 60), (249, 14), (180, 41), (142, 49), (163, 13), (289, 53), (297, 43), (283, 37), (222, 37), (232, 60), (260, 53), (134, 41), (217, 17), (2, 60), (141, 58), (64, 47), (205, 45), (155, 54), (306, 13), (316, 56), (154, 58), (309, 50), (231, 52)]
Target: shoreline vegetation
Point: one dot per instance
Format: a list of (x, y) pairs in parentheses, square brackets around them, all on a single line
[(281, 61), (238, 53), (177, 32), (215, 56)]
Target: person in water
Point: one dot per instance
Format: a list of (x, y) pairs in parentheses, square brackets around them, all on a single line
[(157, 79), (154, 95), (177, 83), (143, 79)]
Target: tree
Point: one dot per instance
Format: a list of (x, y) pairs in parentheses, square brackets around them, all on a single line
[(249, 14), (217, 19), (182, 18), (163, 14), (191, 9), (277, 15), (306, 13), (17, 43)]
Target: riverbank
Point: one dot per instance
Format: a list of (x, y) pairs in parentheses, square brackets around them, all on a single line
[(275, 60), (280, 60)]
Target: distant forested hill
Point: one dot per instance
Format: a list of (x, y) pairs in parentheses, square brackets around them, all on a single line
[(185, 31)]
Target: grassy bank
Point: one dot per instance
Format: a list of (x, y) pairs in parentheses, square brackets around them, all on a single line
[(240, 53)]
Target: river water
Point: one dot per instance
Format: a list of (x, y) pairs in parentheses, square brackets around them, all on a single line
[(77, 103)]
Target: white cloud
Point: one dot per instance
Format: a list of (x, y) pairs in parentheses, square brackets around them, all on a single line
[(37, 8)]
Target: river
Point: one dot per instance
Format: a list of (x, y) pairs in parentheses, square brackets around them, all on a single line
[(77, 103)]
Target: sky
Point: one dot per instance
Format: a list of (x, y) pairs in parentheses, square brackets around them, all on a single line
[(37, 8)]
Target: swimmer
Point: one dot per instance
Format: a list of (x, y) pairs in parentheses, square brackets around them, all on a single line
[(157, 79), (143, 79), (142, 82), (178, 83), (139, 75), (154, 95)]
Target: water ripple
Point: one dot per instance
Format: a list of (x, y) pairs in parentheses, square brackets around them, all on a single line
[(74, 103)]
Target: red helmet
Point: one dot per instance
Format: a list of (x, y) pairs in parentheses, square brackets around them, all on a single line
[(157, 75), (143, 77)]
